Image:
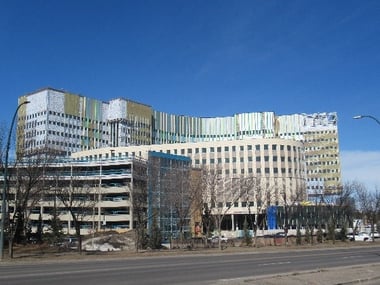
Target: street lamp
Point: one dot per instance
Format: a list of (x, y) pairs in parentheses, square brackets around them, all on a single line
[(3, 204), (367, 116)]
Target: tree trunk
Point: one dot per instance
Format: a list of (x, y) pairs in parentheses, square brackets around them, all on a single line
[(10, 247)]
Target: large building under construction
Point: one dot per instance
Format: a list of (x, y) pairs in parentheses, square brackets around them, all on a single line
[(71, 123), (262, 160)]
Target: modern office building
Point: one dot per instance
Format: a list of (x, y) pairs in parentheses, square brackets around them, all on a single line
[(278, 166), (169, 201), (97, 193), (70, 123), (111, 194)]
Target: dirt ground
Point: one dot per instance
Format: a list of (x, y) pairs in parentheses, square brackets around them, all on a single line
[(123, 245)]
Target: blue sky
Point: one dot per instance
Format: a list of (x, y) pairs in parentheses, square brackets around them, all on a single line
[(206, 58)]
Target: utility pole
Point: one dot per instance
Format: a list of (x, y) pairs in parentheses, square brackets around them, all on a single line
[(5, 184)]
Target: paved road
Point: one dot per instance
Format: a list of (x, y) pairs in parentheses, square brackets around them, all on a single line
[(185, 269)]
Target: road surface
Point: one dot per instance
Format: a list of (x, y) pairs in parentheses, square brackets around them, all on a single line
[(181, 269)]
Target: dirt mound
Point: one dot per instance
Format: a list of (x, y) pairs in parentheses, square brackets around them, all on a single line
[(110, 242)]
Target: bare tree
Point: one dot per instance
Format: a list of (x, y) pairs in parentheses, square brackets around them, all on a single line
[(368, 204), (210, 180), (169, 202), (139, 198), (261, 193), (183, 197), (26, 182), (75, 194), (338, 209), (250, 188), (195, 200), (290, 200), (219, 195)]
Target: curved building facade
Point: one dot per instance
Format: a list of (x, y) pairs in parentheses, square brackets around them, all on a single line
[(278, 166), (169, 128)]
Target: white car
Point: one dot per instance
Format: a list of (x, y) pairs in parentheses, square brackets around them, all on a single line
[(362, 236), (215, 239), (374, 234)]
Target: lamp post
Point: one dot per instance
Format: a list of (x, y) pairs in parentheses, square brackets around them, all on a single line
[(3, 204), (367, 116)]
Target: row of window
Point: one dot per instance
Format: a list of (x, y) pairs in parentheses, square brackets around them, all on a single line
[(315, 140), (71, 145), (265, 170), (319, 163), (266, 158), (165, 135), (88, 211), (320, 132), (329, 170), (77, 118), (219, 149), (331, 178)]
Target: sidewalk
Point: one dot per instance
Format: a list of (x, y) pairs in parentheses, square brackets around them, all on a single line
[(368, 274)]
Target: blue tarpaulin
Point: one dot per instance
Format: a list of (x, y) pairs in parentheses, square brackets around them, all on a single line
[(271, 217)]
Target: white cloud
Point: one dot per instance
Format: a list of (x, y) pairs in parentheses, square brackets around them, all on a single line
[(362, 166)]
